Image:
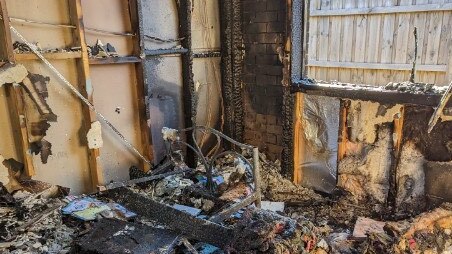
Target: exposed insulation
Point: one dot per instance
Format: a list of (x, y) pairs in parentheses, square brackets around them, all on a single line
[(364, 117), (410, 179), (367, 173)]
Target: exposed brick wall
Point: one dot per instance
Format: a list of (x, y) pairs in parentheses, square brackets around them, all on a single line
[(264, 23)]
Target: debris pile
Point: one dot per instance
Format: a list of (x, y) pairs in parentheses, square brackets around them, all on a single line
[(32, 223), (276, 187), (22, 48), (100, 51), (175, 210)]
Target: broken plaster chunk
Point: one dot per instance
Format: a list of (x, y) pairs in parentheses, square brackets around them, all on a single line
[(10, 74), (94, 136)]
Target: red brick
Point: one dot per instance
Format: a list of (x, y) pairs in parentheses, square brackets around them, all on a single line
[(270, 138), (261, 118), (275, 129), (271, 120)]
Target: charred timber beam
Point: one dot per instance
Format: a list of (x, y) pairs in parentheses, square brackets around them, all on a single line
[(366, 93), (226, 65), (178, 221), (189, 95), (231, 67)]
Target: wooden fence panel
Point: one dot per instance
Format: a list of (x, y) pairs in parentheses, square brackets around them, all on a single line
[(372, 41)]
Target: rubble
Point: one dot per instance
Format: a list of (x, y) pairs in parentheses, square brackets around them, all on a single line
[(275, 187), (172, 210), (100, 51), (21, 48), (33, 224)]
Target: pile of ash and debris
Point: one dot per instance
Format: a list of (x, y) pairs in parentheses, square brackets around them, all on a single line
[(98, 50), (22, 48), (175, 209)]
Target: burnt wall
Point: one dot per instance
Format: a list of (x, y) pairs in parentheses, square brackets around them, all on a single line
[(264, 29)]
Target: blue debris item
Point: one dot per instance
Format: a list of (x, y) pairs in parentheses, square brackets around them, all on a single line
[(80, 204), (207, 249), (217, 180), (187, 209), (87, 208)]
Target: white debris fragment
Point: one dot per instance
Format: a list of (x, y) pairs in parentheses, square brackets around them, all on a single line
[(12, 74), (273, 206), (94, 136), (169, 134)]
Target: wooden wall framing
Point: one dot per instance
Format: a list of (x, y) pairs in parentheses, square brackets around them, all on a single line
[(84, 79)]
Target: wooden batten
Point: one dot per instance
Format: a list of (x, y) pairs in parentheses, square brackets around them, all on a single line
[(15, 98), (343, 132), (398, 131), (298, 146), (85, 87), (138, 51)]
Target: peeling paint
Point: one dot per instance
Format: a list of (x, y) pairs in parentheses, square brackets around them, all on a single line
[(36, 87), (42, 147), (94, 136)]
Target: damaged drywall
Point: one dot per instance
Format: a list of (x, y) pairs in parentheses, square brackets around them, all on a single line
[(205, 26), (163, 74), (364, 117), (374, 168), (7, 176), (10, 74), (36, 87)]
